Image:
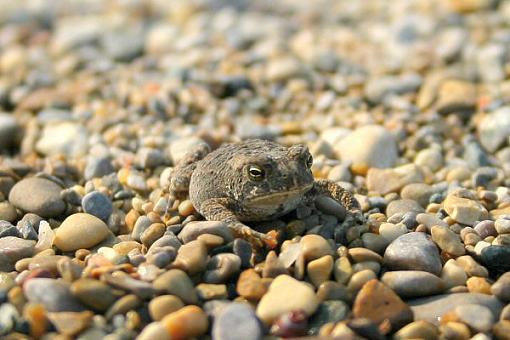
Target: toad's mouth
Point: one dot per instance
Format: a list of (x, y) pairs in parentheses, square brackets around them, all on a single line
[(280, 197)]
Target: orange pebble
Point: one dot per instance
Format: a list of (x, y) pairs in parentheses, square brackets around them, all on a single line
[(189, 321)]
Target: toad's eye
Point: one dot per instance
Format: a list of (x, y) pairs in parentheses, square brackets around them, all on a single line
[(309, 161), (256, 173)]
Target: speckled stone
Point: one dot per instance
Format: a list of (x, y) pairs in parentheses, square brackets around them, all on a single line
[(39, 196)]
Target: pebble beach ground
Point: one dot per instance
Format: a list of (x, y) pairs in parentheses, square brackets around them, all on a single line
[(405, 103)]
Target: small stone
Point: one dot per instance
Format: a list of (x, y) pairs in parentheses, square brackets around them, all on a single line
[(71, 323), (501, 288), (496, 258), (501, 330), (80, 230), (486, 228), (208, 291), (236, 321), (65, 138), (163, 305), (370, 146), (8, 212), (123, 305), (478, 285), (464, 210), (188, 322), (154, 330), (97, 204), (327, 312), (456, 96), (502, 226), (430, 158), (447, 240), (377, 302), (331, 290), (403, 206), (342, 270), (374, 242), (453, 274), (94, 294), (192, 257), (314, 246), (476, 316), (98, 167), (413, 283), (418, 330), (362, 255), (221, 268), (494, 128), (176, 282), (471, 267), (391, 231), (142, 223), (319, 270), (13, 249), (413, 251), (243, 249), (39, 196), (359, 279), (455, 330), (419, 192), (154, 232), (192, 230), (331, 207), (251, 286), (385, 181), (55, 295), (286, 294)]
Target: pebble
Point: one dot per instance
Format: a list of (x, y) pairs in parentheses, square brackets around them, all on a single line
[(502, 226), (154, 330), (391, 232), (418, 330), (501, 288), (377, 303), (328, 312), (471, 267), (71, 323), (419, 192), (358, 280), (163, 305), (193, 230), (403, 206), (177, 282), (63, 138), (447, 240), (476, 316), (453, 274), (486, 228), (494, 128), (9, 129), (286, 294), (187, 322), (94, 294), (496, 258), (251, 286), (385, 181), (363, 254), (369, 146), (192, 257), (97, 204), (8, 212), (236, 321), (463, 210), (413, 251), (39, 196), (80, 230), (13, 249), (314, 247), (221, 268), (413, 283), (55, 295), (98, 167), (478, 285), (319, 270)]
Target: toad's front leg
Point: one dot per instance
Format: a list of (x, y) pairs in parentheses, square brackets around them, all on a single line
[(339, 194), (221, 209)]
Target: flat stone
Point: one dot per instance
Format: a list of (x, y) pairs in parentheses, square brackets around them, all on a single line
[(192, 230), (453, 274), (71, 323), (237, 321), (432, 308), (39, 196), (13, 249), (447, 240), (80, 230), (286, 294), (55, 295), (413, 283), (377, 302), (222, 267), (418, 192), (413, 251), (314, 246), (8, 212), (456, 96), (464, 210)]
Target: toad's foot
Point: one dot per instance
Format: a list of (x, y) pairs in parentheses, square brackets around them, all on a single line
[(255, 238)]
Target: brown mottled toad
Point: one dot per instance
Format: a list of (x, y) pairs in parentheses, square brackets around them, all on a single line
[(253, 180)]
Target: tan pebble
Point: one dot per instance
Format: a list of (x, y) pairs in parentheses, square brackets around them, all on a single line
[(464, 210), (418, 330), (447, 240), (273, 266), (189, 321), (153, 217), (315, 246), (370, 265), (22, 264), (36, 316), (359, 279), (501, 330), (250, 285), (186, 208), (192, 257), (453, 274), (177, 282), (123, 305), (319, 270), (478, 285), (131, 218), (71, 323), (124, 247), (363, 254), (80, 230), (471, 267), (454, 330), (152, 233), (331, 290), (81, 254), (154, 330), (342, 270), (211, 241), (209, 291), (163, 305)]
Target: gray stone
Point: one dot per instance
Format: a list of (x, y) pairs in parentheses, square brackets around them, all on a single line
[(97, 204), (413, 283), (236, 321), (98, 167), (13, 249), (55, 295), (39, 196), (494, 129)]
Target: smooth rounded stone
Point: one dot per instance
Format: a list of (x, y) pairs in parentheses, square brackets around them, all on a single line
[(359, 279), (418, 192), (385, 181), (413, 251), (413, 283), (9, 128), (430, 220), (251, 286), (496, 259), (378, 88), (125, 282), (222, 267), (46, 262), (154, 330), (66, 138), (13, 249), (432, 308), (327, 312), (342, 270), (55, 295), (501, 329), (431, 158), (98, 167), (447, 240), (363, 255), (7, 229), (94, 294), (377, 302), (286, 294), (331, 290), (477, 317), (486, 228), (464, 210), (39, 196), (494, 128), (97, 204), (417, 330), (319, 270), (478, 285), (391, 231), (236, 321), (502, 226), (370, 265), (123, 305), (163, 305), (142, 223), (177, 282), (192, 257), (71, 323), (8, 212), (403, 206), (453, 274), (374, 242), (167, 240), (314, 246), (188, 322), (193, 230), (154, 232), (471, 267), (243, 249), (80, 230), (501, 288), (331, 207), (370, 146)]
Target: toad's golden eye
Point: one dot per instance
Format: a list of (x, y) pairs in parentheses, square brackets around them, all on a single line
[(309, 161), (256, 173)]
